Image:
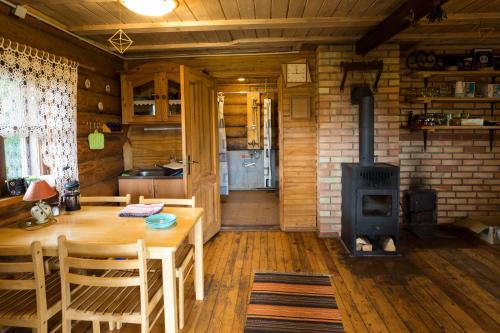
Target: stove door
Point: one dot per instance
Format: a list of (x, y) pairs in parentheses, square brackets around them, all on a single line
[(377, 212)]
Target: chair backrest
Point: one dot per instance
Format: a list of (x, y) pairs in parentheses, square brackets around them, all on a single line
[(107, 199), (24, 271), (79, 261), (169, 202)]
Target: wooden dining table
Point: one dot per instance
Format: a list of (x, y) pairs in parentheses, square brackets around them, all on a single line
[(102, 225)]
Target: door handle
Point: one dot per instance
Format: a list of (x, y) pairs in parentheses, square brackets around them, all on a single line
[(189, 163)]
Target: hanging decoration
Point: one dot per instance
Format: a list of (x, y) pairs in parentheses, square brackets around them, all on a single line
[(120, 40), (437, 13)]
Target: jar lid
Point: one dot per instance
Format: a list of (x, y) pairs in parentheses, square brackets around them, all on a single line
[(71, 185)]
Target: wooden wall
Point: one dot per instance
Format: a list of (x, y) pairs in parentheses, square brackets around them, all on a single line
[(298, 158), (154, 147), (98, 169), (235, 113)]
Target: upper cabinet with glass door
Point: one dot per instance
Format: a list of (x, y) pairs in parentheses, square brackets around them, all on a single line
[(149, 98)]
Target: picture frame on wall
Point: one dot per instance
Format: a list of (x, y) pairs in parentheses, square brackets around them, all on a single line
[(300, 106)]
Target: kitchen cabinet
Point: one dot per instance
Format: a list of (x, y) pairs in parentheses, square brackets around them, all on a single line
[(151, 187), (150, 98)]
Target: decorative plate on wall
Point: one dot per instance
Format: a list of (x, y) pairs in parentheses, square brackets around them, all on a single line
[(87, 83), (100, 106), (107, 89)]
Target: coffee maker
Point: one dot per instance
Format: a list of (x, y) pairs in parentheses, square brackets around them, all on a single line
[(71, 197)]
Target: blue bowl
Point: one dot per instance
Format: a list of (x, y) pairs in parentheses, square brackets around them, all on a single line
[(161, 221)]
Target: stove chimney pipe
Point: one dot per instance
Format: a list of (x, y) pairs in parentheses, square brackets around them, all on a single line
[(364, 98)]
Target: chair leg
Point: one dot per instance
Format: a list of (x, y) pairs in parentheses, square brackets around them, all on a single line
[(118, 325), (66, 326), (111, 325), (42, 327), (180, 285), (96, 327)]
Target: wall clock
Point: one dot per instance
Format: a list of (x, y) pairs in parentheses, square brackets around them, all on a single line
[(296, 73)]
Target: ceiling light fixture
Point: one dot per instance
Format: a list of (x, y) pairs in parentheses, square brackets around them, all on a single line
[(241, 79), (150, 7)]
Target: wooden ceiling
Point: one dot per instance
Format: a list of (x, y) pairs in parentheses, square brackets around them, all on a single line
[(249, 26)]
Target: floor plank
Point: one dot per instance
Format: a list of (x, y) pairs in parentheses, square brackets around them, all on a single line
[(435, 286), (250, 208)]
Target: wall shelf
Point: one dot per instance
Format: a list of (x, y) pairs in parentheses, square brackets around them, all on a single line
[(430, 74), (426, 129), (455, 99)]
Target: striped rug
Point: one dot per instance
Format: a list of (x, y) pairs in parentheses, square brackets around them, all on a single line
[(291, 303)]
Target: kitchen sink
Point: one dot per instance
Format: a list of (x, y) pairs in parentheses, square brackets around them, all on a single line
[(165, 172), (152, 173)]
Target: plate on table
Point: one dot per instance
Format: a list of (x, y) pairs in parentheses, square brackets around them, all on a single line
[(161, 221)]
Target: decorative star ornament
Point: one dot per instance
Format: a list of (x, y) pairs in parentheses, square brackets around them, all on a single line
[(120, 41)]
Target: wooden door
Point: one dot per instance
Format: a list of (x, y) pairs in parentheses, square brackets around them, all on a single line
[(200, 146)]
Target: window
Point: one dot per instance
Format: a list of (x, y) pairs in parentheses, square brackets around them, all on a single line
[(22, 157)]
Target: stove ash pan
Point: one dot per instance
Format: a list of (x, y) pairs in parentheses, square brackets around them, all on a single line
[(370, 206)]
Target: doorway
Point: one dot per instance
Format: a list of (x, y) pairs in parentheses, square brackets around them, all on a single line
[(249, 164)]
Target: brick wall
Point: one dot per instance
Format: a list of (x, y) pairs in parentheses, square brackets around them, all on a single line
[(338, 122), (458, 164)]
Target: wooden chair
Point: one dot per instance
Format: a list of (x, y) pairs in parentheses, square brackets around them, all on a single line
[(125, 293), (107, 199), (28, 298), (184, 256), (169, 202)]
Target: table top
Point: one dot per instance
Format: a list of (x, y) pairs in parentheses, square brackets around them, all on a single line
[(102, 225)]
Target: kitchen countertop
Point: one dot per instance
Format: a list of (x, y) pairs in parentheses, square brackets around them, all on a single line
[(134, 175), (150, 177)]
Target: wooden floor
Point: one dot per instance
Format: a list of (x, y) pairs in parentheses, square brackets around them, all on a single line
[(250, 208), (446, 285)]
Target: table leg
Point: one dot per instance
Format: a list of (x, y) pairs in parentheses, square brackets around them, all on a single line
[(198, 259), (169, 292)]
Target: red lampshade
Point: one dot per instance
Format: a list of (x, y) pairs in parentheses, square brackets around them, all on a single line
[(39, 190)]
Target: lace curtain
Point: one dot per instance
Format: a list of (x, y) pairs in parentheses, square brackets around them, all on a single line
[(38, 98)]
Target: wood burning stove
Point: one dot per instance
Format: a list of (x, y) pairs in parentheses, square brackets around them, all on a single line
[(370, 191)]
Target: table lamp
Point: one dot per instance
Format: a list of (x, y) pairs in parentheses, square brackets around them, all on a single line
[(38, 191)]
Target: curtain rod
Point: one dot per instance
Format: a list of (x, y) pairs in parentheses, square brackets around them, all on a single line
[(32, 52)]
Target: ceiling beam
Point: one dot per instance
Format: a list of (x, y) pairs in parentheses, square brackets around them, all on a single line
[(451, 37), (220, 25), (274, 23), (465, 18), (293, 41), (246, 42), (394, 24)]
